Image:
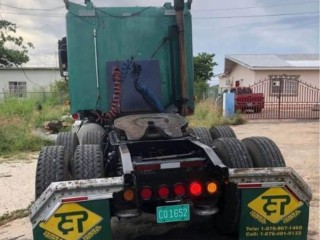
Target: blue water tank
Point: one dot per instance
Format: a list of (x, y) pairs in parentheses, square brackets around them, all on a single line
[(228, 104)]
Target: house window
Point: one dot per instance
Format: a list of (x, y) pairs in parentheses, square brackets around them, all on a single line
[(286, 85), (291, 87), (18, 89), (237, 83)]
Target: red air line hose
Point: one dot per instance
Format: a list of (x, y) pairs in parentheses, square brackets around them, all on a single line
[(115, 105)]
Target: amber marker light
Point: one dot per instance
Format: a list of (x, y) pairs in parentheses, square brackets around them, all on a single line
[(212, 187), (128, 195)]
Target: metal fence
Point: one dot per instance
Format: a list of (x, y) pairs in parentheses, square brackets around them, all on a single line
[(283, 99), (286, 99)]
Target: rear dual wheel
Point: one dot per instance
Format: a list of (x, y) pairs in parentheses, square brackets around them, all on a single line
[(264, 152), (202, 134), (232, 152), (222, 132), (248, 153), (70, 142), (52, 166), (88, 162), (85, 161), (207, 136), (92, 137)]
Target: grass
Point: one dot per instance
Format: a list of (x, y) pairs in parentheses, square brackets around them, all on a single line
[(18, 119), (17, 214), (208, 115)]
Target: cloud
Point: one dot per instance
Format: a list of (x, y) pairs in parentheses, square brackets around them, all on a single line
[(278, 34)]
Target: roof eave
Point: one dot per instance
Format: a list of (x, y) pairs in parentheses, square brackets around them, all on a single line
[(29, 68), (283, 68)]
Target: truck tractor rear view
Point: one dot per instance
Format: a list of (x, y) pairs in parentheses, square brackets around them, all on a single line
[(130, 76)]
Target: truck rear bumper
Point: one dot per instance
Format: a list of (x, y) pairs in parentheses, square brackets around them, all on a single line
[(72, 191), (275, 187), (270, 177)]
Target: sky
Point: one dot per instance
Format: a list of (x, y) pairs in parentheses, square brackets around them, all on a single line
[(220, 27)]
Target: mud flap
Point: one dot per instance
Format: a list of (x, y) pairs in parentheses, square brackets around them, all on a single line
[(76, 220), (274, 204), (75, 210)]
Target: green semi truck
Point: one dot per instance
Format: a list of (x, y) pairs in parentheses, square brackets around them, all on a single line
[(130, 76)]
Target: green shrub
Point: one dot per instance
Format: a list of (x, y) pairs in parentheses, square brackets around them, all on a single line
[(18, 120), (17, 137), (59, 92), (22, 108), (208, 115)]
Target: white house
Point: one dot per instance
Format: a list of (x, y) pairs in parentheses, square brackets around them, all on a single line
[(288, 82), (18, 81), (242, 70)]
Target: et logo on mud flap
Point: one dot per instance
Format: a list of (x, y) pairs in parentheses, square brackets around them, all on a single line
[(275, 204), (71, 221)]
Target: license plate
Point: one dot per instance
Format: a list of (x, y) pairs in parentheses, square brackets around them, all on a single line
[(173, 213), (249, 104)]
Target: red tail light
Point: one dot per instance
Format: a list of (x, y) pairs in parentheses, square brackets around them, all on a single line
[(146, 193), (76, 116), (163, 191), (195, 189), (179, 189)]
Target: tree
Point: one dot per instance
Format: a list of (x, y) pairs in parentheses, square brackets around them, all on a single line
[(203, 71), (13, 50)]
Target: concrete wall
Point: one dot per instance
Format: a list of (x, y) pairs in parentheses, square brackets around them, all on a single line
[(36, 78), (248, 77), (239, 73)]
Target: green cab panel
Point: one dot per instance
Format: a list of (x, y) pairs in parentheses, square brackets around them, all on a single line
[(97, 37)]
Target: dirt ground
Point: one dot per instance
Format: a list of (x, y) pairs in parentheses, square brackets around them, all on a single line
[(298, 141)]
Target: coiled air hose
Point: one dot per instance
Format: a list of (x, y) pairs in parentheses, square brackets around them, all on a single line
[(115, 105), (117, 75), (103, 118), (148, 96)]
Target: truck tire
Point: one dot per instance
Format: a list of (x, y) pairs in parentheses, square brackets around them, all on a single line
[(70, 142), (203, 134), (88, 162), (52, 166), (233, 154), (94, 137), (90, 133), (222, 132), (264, 152)]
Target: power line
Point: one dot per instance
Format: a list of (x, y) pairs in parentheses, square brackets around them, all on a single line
[(198, 18), (253, 16), (200, 10), (33, 9), (250, 7), (33, 15), (24, 73)]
